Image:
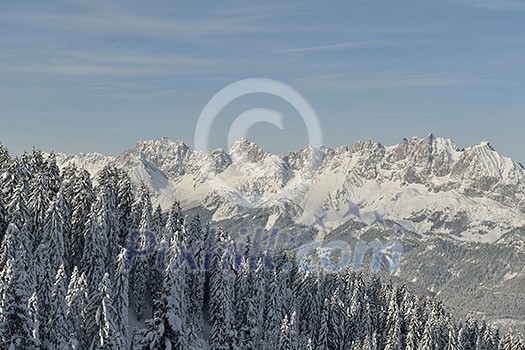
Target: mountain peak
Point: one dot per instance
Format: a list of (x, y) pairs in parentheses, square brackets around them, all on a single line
[(243, 148), (243, 142), (161, 145), (484, 144)]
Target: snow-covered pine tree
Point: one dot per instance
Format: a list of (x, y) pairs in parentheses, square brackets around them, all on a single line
[(121, 301), (21, 217), (54, 230), (53, 174), (95, 247), (109, 176), (369, 343), (3, 216), (110, 219), (415, 327), (45, 282), (393, 324), (115, 186), (468, 334), (194, 340), (108, 329), (35, 317), (506, 342), (338, 322), (358, 312), (13, 177), (518, 342), (323, 331), (69, 178), (311, 304), (5, 159), (428, 340), (491, 338), (94, 269), (175, 222), (452, 341), (155, 260), (142, 212), (142, 201), (256, 302), (100, 332), (305, 288), (57, 319), (124, 206), (17, 234), (36, 161), (288, 333), (16, 322), (77, 295), (8, 251), (158, 221), (39, 202), (168, 329), (272, 310), (241, 293), (221, 283), (195, 276), (82, 200)]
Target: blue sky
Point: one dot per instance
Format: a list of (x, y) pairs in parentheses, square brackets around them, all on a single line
[(101, 75)]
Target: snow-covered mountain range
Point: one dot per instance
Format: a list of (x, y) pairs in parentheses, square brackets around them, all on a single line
[(463, 210), (428, 185)]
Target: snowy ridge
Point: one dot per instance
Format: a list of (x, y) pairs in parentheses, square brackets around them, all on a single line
[(429, 184)]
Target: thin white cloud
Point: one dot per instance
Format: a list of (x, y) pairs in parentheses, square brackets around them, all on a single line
[(501, 5), (137, 58), (83, 63), (340, 46), (334, 82), (145, 25)]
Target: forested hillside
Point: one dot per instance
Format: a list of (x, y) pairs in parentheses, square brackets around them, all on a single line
[(87, 266)]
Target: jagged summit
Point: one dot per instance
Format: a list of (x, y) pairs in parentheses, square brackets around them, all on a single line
[(246, 150)]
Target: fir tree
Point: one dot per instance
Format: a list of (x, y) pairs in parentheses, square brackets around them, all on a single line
[(168, 329), (94, 269), (16, 325), (5, 159), (393, 325), (59, 330), (3, 217), (54, 229), (195, 276), (76, 299), (220, 281), (507, 342), (39, 202), (121, 301), (124, 206), (140, 268), (82, 199), (108, 333), (272, 310), (323, 330), (288, 334)]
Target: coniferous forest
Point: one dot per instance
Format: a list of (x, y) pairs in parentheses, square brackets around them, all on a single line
[(92, 265)]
